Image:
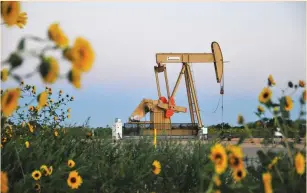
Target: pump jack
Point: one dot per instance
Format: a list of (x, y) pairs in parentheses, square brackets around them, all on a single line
[(163, 109)]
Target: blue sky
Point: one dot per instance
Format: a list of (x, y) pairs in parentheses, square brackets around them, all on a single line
[(258, 38)]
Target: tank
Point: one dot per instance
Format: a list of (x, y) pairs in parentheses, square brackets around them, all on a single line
[(117, 129)]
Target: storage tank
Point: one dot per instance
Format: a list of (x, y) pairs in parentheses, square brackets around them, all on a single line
[(117, 129)]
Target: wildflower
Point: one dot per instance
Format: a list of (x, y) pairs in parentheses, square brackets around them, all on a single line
[(301, 83), (37, 187), (267, 182), (4, 181), (4, 74), (82, 55), (36, 175), (265, 95), (68, 116), (304, 95), (55, 118), (271, 80), (72, 98), (44, 169), (240, 119), (4, 140), (219, 158), (275, 110), (74, 76), (50, 170), (274, 162), (10, 11), (71, 163), (156, 167), (217, 180), (235, 156), (300, 163), (74, 180), (9, 101), (56, 34), (68, 110), (217, 191), (288, 103), (49, 70), (260, 109), (30, 127), (27, 144), (42, 99), (290, 84), (61, 92), (22, 83), (238, 174), (31, 108), (56, 133), (22, 20)]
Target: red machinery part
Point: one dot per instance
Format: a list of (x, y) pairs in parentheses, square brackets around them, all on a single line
[(169, 113), (163, 99), (172, 101)]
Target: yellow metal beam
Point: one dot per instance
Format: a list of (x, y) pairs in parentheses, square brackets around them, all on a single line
[(184, 58)]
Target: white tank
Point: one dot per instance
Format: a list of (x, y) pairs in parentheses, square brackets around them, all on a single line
[(117, 129)]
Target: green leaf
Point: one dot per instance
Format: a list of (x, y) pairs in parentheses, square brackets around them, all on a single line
[(21, 44), (242, 138)]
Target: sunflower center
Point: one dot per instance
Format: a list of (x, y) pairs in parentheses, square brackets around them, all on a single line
[(36, 175), (239, 173), (265, 95), (36, 187), (236, 161), (82, 52), (218, 158), (9, 9), (73, 180), (10, 98), (154, 167)]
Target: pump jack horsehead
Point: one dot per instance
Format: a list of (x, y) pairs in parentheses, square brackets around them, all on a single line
[(163, 109)]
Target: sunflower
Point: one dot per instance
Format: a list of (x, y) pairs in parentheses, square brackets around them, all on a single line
[(56, 34), (301, 83), (71, 163), (217, 191), (68, 110), (4, 181), (74, 180), (50, 170), (267, 182), (10, 11), (274, 162), (36, 175), (156, 167), (68, 116), (30, 127), (238, 174), (22, 20), (235, 156), (82, 54), (265, 95), (288, 103), (9, 101), (37, 187), (304, 95), (217, 180), (42, 99), (260, 109), (219, 158), (4, 74), (74, 76), (271, 80), (49, 70), (56, 133), (4, 140), (61, 92), (240, 119), (44, 169), (27, 144), (299, 163)]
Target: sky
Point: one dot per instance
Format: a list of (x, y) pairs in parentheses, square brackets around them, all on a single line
[(257, 38)]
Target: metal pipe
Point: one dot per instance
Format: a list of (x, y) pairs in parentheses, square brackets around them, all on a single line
[(178, 81), (200, 124), (189, 95), (157, 82), (166, 81)]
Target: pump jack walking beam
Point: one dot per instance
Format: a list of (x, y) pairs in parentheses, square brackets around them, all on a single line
[(185, 59)]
